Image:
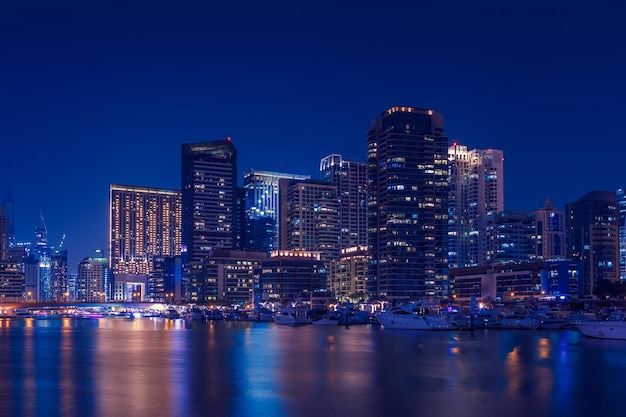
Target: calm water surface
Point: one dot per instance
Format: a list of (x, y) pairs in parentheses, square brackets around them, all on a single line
[(164, 368)]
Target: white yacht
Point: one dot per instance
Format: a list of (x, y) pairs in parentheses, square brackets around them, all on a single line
[(413, 317), (613, 328), (292, 316)]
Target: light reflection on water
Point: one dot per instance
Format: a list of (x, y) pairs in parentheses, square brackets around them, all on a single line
[(165, 368)]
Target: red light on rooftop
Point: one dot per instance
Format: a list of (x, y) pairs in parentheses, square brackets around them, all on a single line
[(228, 138)]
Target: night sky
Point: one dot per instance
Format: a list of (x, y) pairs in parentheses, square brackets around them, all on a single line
[(95, 93)]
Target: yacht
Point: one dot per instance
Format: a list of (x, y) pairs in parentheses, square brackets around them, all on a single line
[(612, 328), (413, 317), (292, 316)]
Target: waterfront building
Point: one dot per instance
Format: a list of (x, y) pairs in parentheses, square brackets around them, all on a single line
[(11, 282), (8, 210), (144, 223), (32, 281), (4, 236), (90, 280), (165, 278), (289, 276), (42, 253), (59, 290), (550, 229), (518, 281), (350, 178), (209, 206), (511, 236), (592, 225), (310, 218), (621, 205), (229, 276), (348, 274), (476, 191), (262, 208), (407, 192)]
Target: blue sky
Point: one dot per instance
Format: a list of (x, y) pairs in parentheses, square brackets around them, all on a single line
[(95, 93)]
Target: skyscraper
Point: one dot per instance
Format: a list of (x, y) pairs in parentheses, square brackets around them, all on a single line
[(8, 209), (592, 224), (350, 178), (262, 207), (309, 216), (144, 223), (476, 191), (550, 229), (620, 194), (407, 175), (4, 236), (209, 205)]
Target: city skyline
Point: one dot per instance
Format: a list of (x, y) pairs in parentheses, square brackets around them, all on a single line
[(87, 106)]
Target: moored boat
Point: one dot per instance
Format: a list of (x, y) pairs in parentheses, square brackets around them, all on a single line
[(413, 317), (612, 328)]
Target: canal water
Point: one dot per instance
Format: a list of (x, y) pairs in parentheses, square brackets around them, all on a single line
[(153, 367)]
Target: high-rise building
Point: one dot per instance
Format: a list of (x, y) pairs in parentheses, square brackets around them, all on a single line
[(310, 218), (4, 236), (620, 194), (476, 191), (550, 229), (144, 223), (350, 178), (289, 276), (59, 289), (262, 207), (209, 206), (407, 173), (11, 282), (230, 276), (592, 225), (348, 274), (42, 253), (511, 236), (8, 209), (90, 280)]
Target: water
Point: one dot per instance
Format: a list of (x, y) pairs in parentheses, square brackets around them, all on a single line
[(163, 368)]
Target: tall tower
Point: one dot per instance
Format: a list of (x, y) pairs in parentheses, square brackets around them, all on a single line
[(209, 204), (476, 191), (143, 223), (262, 206), (8, 209), (593, 237), (350, 178), (620, 194), (550, 229), (4, 236), (407, 178), (309, 216)]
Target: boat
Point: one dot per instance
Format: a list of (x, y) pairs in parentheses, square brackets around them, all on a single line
[(172, 314), (260, 314), (517, 321), (612, 328), (195, 314), (292, 316), (326, 320), (413, 317)]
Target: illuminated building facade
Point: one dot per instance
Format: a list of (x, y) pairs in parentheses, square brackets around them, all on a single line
[(620, 195), (262, 207), (144, 223), (11, 282), (310, 218), (350, 178), (592, 224), (476, 191), (209, 207), (348, 274), (90, 281), (550, 229), (511, 236), (290, 276), (407, 203), (229, 276), (59, 289), (4, 236)]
